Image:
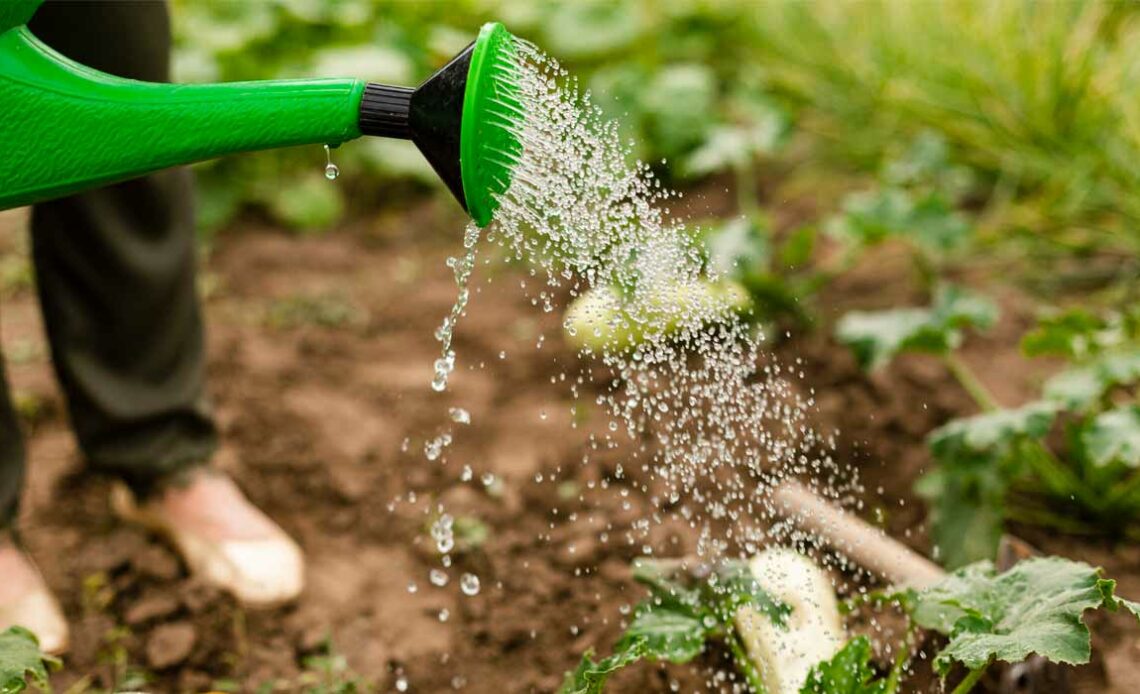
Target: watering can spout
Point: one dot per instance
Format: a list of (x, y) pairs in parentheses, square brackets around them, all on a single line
[(66, 127)]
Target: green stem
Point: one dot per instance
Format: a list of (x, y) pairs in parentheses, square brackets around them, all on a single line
[(746, 190), (744, 663), (1119, 499), (970, 680), (1042, 518), (1058, 478), (970, 382)]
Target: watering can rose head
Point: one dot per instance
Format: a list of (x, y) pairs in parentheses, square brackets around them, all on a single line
[(463, 118)]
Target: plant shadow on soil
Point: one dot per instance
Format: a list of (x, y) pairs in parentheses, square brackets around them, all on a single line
[(324, 416)]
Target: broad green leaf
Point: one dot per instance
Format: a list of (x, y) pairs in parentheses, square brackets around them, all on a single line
[(993, 431), (870, 217), (796, 251), (966, 498), (725, 148), (1113, 437), (590, 676), (1081, 387), (927, 163), (592, 29), (848, 672), (21, 660), (1068, 334), (665, 633), (955, 307), (308, 203), (739, 247), (936, 225), (737, 586), (679, 104), (877, 336), (1078, 388), (1119, 367), (1034, 607)]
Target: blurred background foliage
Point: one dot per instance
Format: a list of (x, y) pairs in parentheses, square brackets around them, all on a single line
[(1015, 124)]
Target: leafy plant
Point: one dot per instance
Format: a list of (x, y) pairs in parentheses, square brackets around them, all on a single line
[(677, 621), (876, 337), (21, 661), (1035, 607), (849, 672), (996, 466)]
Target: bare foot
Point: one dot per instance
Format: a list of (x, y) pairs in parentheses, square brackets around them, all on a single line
[(26, 601), (223, 538)]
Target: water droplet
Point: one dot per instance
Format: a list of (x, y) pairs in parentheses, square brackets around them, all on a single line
[(412, 587), (469, 584), (438, 578), (401, 684), (331, 170), (459, 415), (444, 614)]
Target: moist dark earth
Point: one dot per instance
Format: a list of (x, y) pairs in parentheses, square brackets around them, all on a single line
[(321, 352)]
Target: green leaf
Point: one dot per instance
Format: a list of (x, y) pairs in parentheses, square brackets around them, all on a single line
[(739, 247), (310, 203), (955, 307), (966, 498), (667, 627), (1068, 334), (585, 30), (1113, 437), (735, 587), (877, 336), (797, 250), (848, 672), (1034, 607), (935, 225), (870, 217), (21, 659), (993, 432), (1082, 387), (679, 104), (590, 676), (664, 632), (1075, 389)]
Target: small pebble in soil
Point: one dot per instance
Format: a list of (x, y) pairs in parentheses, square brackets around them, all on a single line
[(170, 644)]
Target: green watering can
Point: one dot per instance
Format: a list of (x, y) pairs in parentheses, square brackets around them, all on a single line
[(65, 127)]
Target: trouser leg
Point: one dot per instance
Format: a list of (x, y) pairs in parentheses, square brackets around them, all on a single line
[(11, 455), (115, 271)]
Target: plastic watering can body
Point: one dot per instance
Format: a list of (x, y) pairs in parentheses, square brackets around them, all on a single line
[(65, 127)]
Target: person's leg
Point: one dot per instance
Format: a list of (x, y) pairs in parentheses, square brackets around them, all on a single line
[(115, 271), (11, 455)]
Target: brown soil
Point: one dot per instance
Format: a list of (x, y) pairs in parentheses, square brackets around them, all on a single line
[(321, 353)]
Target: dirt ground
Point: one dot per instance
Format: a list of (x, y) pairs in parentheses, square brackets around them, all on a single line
[(321, 355)]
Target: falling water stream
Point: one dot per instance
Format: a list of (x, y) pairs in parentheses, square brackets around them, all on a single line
[(723, 418)]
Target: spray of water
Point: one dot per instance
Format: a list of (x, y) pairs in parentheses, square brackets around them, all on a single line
[(692, 399)]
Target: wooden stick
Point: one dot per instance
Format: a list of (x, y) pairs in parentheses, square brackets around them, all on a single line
[(848, 534)]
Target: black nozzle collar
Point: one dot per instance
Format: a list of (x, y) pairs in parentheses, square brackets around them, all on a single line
[(384, 111)]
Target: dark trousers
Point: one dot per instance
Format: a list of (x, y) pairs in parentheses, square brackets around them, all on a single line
[(115, 274)]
